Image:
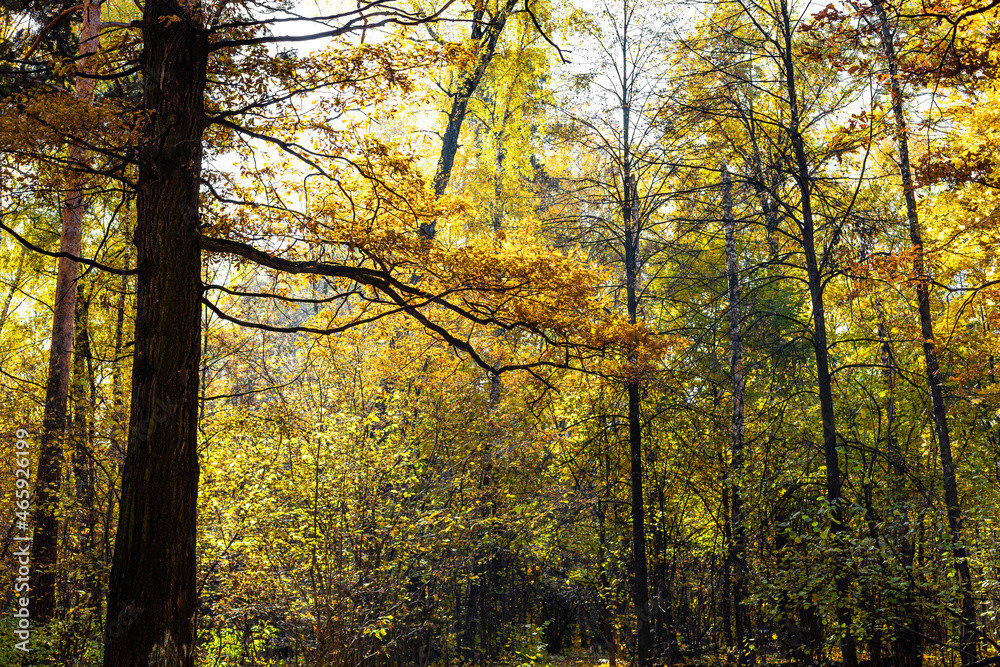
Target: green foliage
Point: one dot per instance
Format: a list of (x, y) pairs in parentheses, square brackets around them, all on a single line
[(227, 647)]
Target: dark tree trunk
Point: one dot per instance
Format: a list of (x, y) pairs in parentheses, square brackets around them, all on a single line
[(967, 641), (606, 623), (486, 32), (152, 592), (117, 381), (82, 393), (640, 577), (726, 604), (834, 480), (632, 224), (640, 582), (738, 541)]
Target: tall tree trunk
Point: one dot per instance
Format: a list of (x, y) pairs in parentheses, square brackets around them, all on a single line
[(82, 394), (117, 384), (640, 577), (726, 603), (50, 457), (607, 625), (83, 391), (967, 641), (738, 542), (640, 581), (834, 480), (152, 592), (631, 223)]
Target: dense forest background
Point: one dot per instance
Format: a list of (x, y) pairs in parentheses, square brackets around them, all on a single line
[(495, 332)]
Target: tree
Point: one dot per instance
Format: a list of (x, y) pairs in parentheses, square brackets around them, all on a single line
[(487, 26), (921, 281), (738, 540), (152, 593), (614, 213), (55, 423)]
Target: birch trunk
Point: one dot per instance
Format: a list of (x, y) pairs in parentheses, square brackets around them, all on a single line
[(738, 541)]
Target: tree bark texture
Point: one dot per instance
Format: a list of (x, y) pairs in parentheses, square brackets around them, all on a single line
[(152, 591)]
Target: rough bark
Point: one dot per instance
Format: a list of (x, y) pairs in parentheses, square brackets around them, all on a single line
[(738, 541), (824, 382), (967, 641), (50, 458), (152, 591)]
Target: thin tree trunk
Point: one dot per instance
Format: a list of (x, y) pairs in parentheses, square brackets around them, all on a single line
[(640, 577), (834, 481), (726, 604), (14, 285), (949, 477), (117, 383), (738, 542), (82, 393), (152, 592), (607, 622), (486, 35), (907, 650), (83, 396), (631, 226), (50, 457)]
